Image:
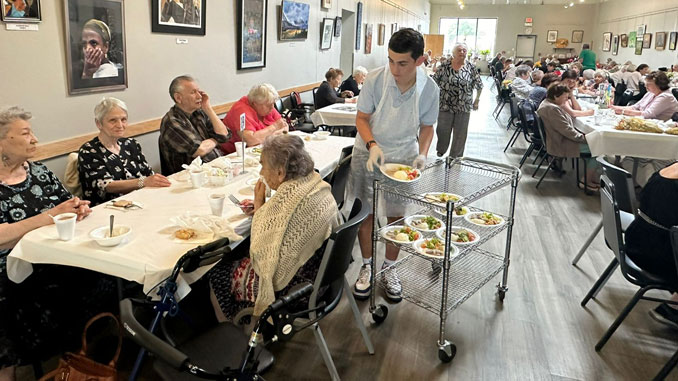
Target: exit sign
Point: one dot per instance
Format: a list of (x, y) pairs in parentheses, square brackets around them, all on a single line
[(528, 19)]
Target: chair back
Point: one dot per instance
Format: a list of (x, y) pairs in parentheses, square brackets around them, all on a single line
[(339, 176), (164, 167), (315, 100), (527, 117), (612, 223), (623, 185), (540, 130), (514, 106), (675, 92), (674, 243), (619, 92), (493, 71), (279, 107), (336, 260), (295, 99)]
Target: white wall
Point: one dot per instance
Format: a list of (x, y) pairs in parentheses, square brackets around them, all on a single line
[(623, 16), (35, 63), (511, 18)]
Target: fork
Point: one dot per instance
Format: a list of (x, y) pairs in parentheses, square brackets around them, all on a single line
[(132, 205)]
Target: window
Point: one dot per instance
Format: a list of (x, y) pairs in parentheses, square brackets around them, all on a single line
[(478, 34)]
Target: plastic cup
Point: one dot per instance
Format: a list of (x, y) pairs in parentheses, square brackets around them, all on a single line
[(239, 150), (198, 178), (216, 201), (597, 118), (65, 225)]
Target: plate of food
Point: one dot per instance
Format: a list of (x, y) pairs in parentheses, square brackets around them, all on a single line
[(434, 248), (255, 151), (460, 235), (441, 198), (424, 223), (459, 211), (401, 234), (400, 172), (484, 219)]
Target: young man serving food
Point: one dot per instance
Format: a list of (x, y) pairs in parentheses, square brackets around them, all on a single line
[(397, 108)]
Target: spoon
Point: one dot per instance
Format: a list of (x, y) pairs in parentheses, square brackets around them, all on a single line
[(111, 225)]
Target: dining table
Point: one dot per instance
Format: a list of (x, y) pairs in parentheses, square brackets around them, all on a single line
[(148, 255), (334, 115)]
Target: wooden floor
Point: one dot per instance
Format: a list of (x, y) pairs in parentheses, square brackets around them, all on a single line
[(539, 333)]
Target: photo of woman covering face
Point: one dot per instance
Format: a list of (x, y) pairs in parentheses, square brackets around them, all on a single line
[(96, 40), (20, 10)]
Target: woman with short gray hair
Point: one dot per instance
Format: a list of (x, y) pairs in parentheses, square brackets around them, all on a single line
[(111, 165), (521, 85), (354, 82), (456, 78), (287, 229)]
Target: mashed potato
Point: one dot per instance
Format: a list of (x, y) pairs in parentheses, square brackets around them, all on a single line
[(402, 237), (401, 175)]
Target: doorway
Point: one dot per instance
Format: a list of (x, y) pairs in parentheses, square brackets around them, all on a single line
[(525, 46), (347, 42)]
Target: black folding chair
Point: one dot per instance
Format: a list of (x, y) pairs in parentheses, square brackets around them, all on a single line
[(626, 199), (527, 114), (339, 177), (631, 271), (547, 157), (668, 367), (675, 92), (619, 93), (302, 112)]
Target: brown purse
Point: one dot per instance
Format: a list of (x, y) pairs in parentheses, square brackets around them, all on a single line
[(79, 367)]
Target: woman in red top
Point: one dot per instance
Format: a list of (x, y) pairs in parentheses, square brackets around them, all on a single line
[(261, 118)]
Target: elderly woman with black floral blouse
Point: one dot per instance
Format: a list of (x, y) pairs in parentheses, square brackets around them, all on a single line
[(36, 316), (456, 78), (111, 165)]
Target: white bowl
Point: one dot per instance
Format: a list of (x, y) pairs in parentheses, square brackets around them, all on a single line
[(218, 181), (321, 135), (100, 235)]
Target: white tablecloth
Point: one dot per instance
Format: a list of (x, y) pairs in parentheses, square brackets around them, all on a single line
[(605, 140), (338, 114), (150, 252)]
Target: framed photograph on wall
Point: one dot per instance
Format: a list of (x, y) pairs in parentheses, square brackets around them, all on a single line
[(624, 40), (615, 45), (673, 37), (368, 38), (639, 48), (552, 36), (252, 21), (382, 34), (178, 16), (647, 40), (632, 39), (96, 59), (24, 11), (358, 25), (660, 41), (577, 36), (607, 41), (293, 21), (326, 4), (327, 30), (337, 27), (394, 28), (640, 31)]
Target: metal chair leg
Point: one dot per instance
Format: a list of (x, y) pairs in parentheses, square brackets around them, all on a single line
[(325, 352), (541, 150), (513, 139), (586, 244), (550, 164), (632, 303), (667, 368), (600, 282), (526, 155), (358, 318), (540, 163)]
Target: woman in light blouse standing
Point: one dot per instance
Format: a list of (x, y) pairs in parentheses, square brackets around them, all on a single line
[(456, 78)]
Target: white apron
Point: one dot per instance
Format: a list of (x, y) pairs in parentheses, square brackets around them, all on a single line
[(395, 129)]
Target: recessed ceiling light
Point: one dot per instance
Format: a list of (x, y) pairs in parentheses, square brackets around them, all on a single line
[(572, 4), (566, 7)]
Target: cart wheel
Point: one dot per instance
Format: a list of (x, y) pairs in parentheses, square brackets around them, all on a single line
[(380, 313), (501, 294), (447, 352)]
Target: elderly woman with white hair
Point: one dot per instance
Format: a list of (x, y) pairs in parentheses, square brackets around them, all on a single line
[(355, 81), (521, 85), (111, 165), (456, 78), (261, 118)]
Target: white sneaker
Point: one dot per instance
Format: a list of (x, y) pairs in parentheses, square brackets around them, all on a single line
[(363, 286), (392, 284)]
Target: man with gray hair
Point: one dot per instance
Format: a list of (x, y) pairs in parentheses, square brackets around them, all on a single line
[(190, 128), (354, 82)]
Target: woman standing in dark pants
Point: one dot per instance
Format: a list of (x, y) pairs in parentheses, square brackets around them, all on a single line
[(456, 78)]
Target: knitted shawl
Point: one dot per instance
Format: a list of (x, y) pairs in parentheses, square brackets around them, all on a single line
[(286, 232)]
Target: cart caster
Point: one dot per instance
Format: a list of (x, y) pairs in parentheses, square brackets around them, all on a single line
[(447, 351), (501, 292), (380, 313)]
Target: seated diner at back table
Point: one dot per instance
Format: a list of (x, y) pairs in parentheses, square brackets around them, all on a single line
[(261, 118)]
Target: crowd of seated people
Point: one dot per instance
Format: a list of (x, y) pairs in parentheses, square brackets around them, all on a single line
[(327, 93)]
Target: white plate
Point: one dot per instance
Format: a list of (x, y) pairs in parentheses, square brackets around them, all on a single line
[(409, 222), (440, 233), (454, 251), (392, 228), (393, 166), (471, 215), (443, 212), (436, 194)]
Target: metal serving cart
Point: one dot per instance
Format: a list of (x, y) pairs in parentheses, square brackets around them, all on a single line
[(441, 285)]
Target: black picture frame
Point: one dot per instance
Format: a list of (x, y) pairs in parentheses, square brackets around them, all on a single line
[(615, 44), (252, 26), (326, 33), (32, 12), (358, 25), (93, 25), (165, 12), (337, 27), (607, 41), (673, 38)]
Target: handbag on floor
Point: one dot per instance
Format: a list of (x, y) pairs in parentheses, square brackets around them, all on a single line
[(79, 367)]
